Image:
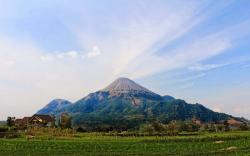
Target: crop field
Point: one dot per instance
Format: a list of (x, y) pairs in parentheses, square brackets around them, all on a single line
[(228, 143)]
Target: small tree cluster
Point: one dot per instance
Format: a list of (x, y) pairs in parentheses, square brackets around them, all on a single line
[(188, 126), (159, 128)]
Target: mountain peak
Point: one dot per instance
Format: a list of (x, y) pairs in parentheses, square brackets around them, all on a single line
[(125, 85)]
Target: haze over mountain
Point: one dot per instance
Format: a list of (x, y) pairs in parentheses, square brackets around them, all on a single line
[(127, 104)]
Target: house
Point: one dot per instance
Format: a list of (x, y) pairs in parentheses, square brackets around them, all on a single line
[(36, 120), (22, 123), (196, 121), (42, 120), (26, 120), (19, 123), (234, 124)]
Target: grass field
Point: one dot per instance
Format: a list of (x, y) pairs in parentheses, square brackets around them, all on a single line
[(230, 143)]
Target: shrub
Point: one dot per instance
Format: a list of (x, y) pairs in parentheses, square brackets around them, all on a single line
[(4, 129)]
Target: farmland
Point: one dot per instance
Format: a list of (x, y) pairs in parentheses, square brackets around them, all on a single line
[(226, 143)]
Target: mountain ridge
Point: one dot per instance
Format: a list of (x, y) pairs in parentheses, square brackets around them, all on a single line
[(124, 103)]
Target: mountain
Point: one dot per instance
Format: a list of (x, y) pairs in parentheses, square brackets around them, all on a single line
[(126, 104), (54, 106)]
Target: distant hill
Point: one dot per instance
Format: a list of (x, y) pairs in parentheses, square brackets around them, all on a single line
[(54, 106), (127, 104)]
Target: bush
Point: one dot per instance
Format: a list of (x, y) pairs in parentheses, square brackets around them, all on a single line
[(4, 129), (8, 132), (244, 127)]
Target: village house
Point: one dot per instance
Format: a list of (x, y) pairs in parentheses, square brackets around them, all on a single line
[(22, 123), (234, 124), (42, 120), (37, 120), (196, 121)]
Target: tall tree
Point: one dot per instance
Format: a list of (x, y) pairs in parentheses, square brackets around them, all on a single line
[(10, 121), (65, 120)]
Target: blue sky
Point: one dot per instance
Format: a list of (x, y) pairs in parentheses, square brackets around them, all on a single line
[(197, 50)]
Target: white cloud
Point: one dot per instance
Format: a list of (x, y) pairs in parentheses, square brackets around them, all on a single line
[(94, 53), (46, 58), (36, 77), (60, 55), (72, 54), (8, 63)]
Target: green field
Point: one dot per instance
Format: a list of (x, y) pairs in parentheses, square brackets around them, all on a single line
[(230, 143)]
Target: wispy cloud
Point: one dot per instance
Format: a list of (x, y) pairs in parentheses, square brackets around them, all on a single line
[(134, 41), (199, 49), (191, 78), (187, 85), (204, 67), (192, 52)]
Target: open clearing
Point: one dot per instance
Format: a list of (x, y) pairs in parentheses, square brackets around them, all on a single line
[(230, 143)]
